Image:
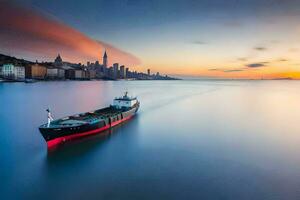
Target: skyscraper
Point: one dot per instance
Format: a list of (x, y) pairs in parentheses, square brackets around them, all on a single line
[(116, 70), (127, 72), (122, 71), (148, 72), (105, 60)]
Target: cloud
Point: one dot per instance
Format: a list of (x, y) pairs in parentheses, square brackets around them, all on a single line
[(226, 70), (233, 70), (198, 42), (265, 62), (242, 59), (28, 33), (260, 48), (256, 65), (282, 60)]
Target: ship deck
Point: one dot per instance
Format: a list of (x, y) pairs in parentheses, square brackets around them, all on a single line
[(84, 118)]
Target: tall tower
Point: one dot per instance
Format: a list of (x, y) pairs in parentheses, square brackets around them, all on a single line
[(105, 59), (58, 61)]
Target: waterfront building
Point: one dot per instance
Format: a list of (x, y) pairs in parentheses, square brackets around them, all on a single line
[(135, 74), (52, 73), (92, 65), (65, 66), (116, 70), (19, 72), (35, 71), (79, 74), (105, 60), (122, 71), (70, 74), (10, 71), (58, 61), (148, 72), (99, 68), (104, 70), (110, 72), (55, 73), (61, 73), (91, 74)]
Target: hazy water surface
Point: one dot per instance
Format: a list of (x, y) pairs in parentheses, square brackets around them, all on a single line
[(190, 140)]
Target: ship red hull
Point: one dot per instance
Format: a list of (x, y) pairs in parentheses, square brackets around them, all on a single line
[(59, 140)]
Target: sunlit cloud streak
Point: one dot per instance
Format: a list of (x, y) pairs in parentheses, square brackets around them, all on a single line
[(31, 34), (260, 48), (233, 70), (255, 65), (198, 42), (242, 59), (213, 69), (227, 70), (282, 60)]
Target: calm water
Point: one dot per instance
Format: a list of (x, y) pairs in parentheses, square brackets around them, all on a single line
[(190, 140)]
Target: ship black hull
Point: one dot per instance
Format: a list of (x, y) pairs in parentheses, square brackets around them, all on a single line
[(57, 135)]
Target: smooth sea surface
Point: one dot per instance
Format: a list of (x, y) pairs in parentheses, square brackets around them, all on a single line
[(190, 140)]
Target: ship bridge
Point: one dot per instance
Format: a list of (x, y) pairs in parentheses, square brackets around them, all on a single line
[(125, 101)]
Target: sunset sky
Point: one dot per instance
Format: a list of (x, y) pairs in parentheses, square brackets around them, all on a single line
[(192, 38)]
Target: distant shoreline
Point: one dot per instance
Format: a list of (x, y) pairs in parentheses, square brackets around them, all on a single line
[(67, 80), (13, 69), (77, 80)]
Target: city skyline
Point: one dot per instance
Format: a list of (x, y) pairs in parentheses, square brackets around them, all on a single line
[(207, 39), (14, 69)]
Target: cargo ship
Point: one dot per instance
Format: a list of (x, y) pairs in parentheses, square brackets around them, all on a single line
[(93, 122)]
